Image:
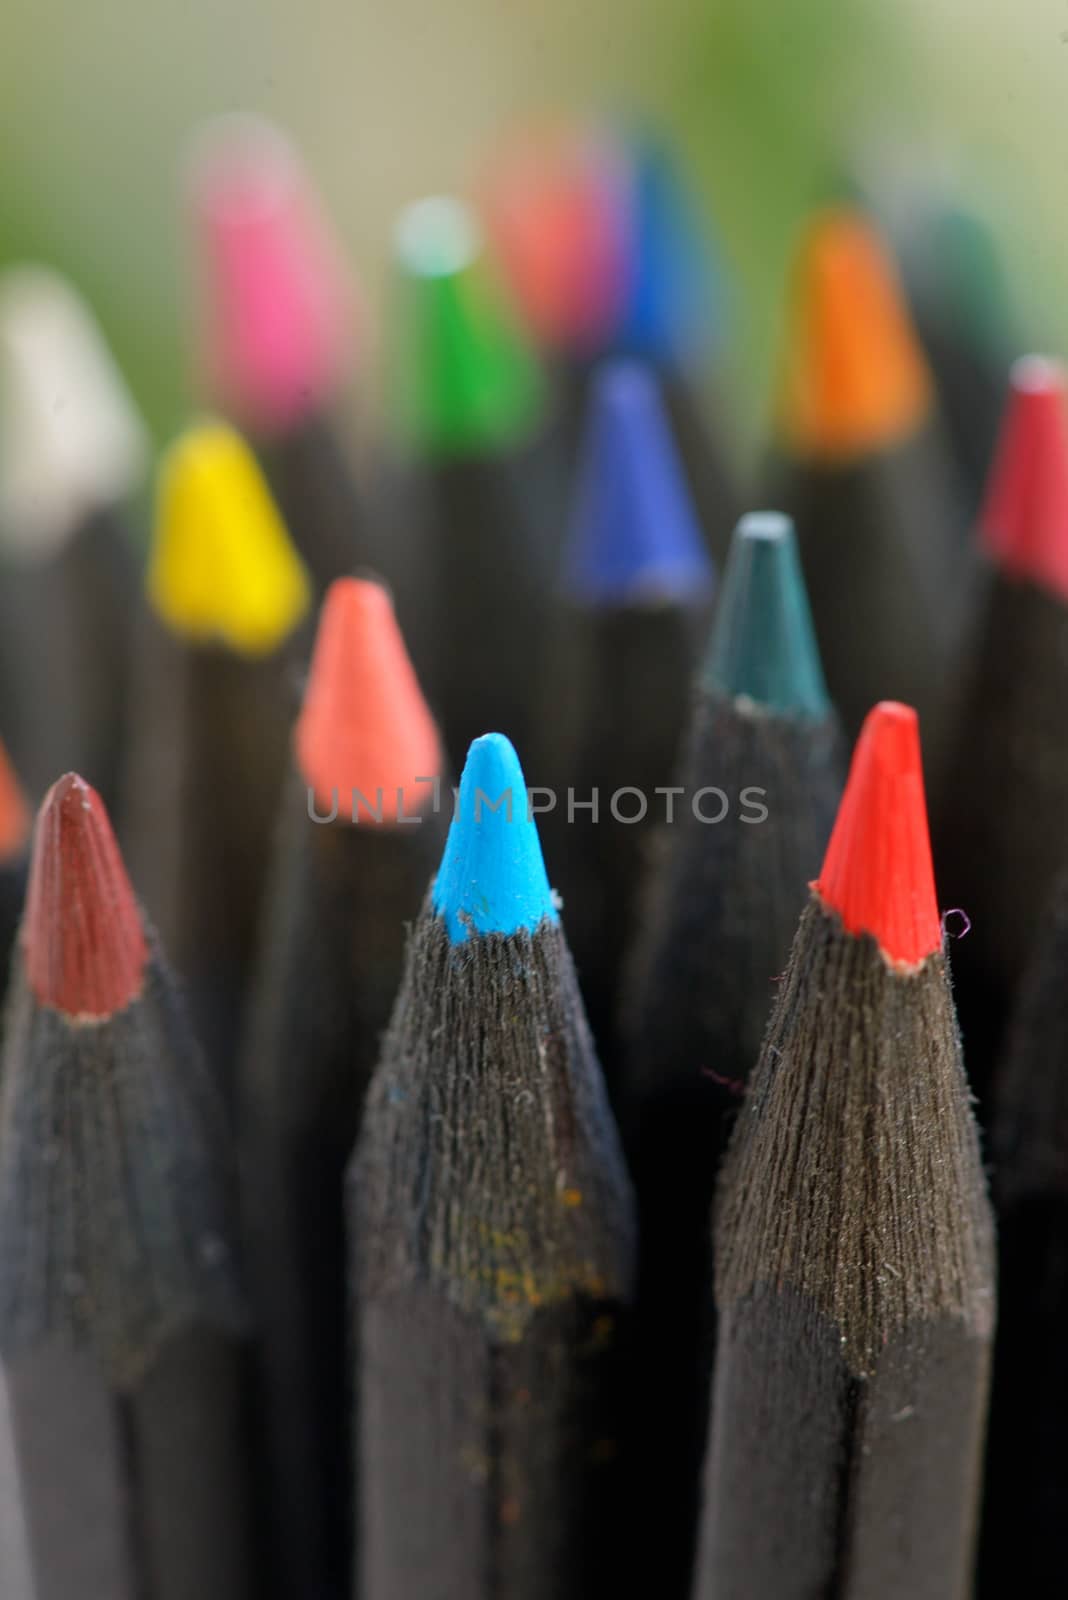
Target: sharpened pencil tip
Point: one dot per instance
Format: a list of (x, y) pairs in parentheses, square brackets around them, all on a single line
[(71, 439), (464, 376), (82, 935), (1024, 520), (365, 728), (672, 281), (492, 876), (877, 873), (554, 203), (222, 565), (763, 644), (274, 306), (635, 537), (854, 379)]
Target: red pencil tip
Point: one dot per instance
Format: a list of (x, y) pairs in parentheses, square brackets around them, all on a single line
[(365, 728), (877, 873), (82, 935), (1024, 521), (14, 815)]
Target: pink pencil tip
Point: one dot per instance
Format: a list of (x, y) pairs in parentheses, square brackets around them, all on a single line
[(274, 311)]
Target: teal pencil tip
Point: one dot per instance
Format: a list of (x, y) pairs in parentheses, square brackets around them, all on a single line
[(492, 876), (763, 644)]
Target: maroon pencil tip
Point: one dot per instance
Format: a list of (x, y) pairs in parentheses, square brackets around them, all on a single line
[(82, 935)]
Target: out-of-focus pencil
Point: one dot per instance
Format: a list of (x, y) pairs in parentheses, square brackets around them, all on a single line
[(73, 451), (362, 828), (122, 1454)]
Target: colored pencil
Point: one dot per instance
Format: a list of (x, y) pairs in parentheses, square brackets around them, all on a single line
[(342, 893), (1027, 1483), (1003, 832), (554, 200), (228, 597), (121, 1321), (492, 1243), (866, 476), (275, 331), (487, 467), (854, 1240), (72, 453), (637, 598), (764, 754)]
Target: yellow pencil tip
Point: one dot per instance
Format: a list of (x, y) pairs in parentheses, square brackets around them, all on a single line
[(223, 566), (854, 377)]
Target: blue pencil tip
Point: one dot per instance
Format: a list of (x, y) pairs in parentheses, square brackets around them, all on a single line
[(492, 876), (635, 538), (673, 304)]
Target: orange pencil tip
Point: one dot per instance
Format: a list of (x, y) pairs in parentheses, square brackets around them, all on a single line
[(365, 728), (854, 378)]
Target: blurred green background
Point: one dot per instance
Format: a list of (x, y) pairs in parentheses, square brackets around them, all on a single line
[(390, 101)]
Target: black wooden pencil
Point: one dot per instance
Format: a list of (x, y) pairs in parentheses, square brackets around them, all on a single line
[(72, 453), (1003, 827), (854, 1241), (492, 1243), (864, 471), (486, 479), (276, 332), (122, 1324), (361, 831), (637, 592), (217, 690), (1027, 1480), (759, 786)]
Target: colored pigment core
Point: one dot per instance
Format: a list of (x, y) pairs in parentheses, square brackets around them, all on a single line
[(492, 876), (365, 728), (763, 646), (877, 873), (82, 936), (854, 377)]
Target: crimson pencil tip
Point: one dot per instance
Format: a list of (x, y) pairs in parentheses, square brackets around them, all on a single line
[(82, 935), (1024, 522), (274, 303), (877, 873), (365, 729)]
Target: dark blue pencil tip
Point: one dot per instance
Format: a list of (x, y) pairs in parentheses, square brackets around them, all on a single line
[(635, 538), (492, 876), (672, 307), (763, 646)]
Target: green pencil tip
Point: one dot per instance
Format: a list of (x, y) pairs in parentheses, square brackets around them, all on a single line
[(466, 381), (763, 645)]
